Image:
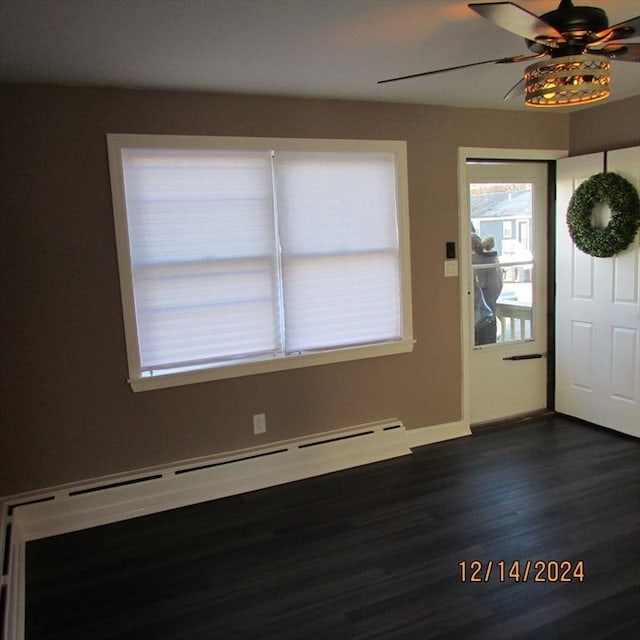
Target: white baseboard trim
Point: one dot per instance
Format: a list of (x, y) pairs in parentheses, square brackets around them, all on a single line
[(155, 489), (76, 506), (437, 433), (100, 501)]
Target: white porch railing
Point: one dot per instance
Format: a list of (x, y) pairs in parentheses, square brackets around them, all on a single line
[(514, 321)]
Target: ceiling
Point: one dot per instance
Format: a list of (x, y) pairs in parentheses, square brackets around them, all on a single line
[(308, 48)]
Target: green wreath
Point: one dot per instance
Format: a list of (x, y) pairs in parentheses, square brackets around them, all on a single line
[(621, 197)]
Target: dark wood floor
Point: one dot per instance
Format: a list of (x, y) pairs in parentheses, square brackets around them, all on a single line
[(372, 552)]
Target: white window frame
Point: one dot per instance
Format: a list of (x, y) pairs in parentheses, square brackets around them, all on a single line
[(217, 371)]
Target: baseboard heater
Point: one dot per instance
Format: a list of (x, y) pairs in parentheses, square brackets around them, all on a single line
[(110, 499)]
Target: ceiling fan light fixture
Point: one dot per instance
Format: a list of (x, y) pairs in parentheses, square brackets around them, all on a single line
[(567, 81)]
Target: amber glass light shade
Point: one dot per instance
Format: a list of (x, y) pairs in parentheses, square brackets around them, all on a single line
[(567, 81)]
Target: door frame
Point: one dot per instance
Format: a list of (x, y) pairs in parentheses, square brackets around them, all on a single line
[(464, 256)]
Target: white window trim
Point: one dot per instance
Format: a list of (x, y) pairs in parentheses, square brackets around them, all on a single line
[(209, 372)]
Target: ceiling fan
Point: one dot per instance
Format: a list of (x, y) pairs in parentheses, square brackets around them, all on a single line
[(573, 43)]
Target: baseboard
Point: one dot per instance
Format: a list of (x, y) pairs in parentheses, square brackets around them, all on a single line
[(519, 418), (437, 433), (115, 498), (151, 490), (100, 501)]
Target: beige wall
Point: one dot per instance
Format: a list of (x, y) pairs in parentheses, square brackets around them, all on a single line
[(614, 125), (67, 410)]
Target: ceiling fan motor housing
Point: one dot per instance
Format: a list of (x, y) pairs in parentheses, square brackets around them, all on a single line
[(576, 24)]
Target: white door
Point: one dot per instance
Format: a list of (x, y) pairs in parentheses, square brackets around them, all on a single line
[(508, 211), (597, 311)]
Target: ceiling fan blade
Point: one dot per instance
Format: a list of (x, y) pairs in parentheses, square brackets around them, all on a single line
[(516, 90), (627, 29), (627, 52), (514, 18), (461, 66)]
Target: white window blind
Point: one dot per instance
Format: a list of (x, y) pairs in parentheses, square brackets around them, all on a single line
[(234, 255), (203, 253), (337, 220)]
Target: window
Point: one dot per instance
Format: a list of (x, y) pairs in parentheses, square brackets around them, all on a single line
[(239, 256), (503, 266)]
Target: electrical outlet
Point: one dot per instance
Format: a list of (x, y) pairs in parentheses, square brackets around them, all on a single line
[(259, 423)]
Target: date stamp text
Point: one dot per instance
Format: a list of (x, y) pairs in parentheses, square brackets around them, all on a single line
[(522, 571)]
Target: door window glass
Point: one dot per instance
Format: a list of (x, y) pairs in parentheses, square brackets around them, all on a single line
[(502, 261)]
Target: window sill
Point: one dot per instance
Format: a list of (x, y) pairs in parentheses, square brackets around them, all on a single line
[(266, 365)]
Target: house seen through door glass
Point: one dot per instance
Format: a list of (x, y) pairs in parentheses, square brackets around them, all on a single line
[(502, 261)]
